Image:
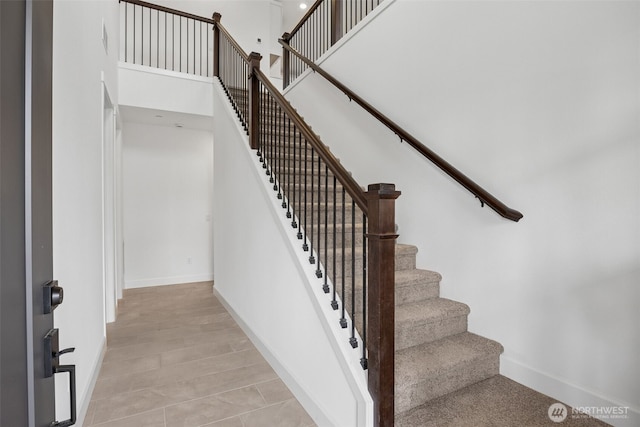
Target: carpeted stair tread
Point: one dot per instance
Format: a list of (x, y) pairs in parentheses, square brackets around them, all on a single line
[(421, 313), (431, 370), (497, 401)]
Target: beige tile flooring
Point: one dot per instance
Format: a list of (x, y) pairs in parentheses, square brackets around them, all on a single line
[(175, 357)]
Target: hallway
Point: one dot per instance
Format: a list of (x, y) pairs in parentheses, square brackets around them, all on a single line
[(175, 357)]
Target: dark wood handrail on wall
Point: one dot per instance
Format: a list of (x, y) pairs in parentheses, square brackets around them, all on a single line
[(377, 206), (483, 195)]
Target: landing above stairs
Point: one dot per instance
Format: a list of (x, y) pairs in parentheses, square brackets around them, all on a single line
[(496, 402)]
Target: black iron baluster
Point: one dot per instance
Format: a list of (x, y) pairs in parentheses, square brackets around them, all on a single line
[(334, 275), (126, 30), (194, 46), (173, 43), (365, 266), (301, 201), (287, 190), (312, 259), (343, 320), (318, 244), (353, 341), (325, 286), (296, 172), (271, 138), (150, 37), (305, 246), (142, 36), (278, 159)]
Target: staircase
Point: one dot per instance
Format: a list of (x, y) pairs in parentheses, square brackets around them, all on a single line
[(435, 354)]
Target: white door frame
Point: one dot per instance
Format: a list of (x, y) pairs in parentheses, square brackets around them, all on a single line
[(109, 206)]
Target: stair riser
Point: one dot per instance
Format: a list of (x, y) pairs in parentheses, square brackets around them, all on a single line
[(403, 262), (417, 292), (408, 396), (409, 336)]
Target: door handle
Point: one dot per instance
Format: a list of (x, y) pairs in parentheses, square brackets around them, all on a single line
[(71, 369), (52, 366)]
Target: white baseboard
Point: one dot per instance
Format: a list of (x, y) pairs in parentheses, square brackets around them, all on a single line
[(162, 281), (86, 399), (314, 411), (571, 394)]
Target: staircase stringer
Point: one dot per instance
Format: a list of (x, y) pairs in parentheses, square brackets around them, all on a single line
[(347, 358)]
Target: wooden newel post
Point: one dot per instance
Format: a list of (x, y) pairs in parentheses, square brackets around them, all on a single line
[(254, 100), (381, 199), (286, 72), (216, 44)]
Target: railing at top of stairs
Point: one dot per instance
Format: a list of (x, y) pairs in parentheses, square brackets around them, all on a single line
[(161, 37), (325, 22)]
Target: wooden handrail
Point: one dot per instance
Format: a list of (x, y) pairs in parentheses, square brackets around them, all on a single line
[(483, 195), (347, 181), (168, 10), (353, 189), (378, 207), (216, 22)]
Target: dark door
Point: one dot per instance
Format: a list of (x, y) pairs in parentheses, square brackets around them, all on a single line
[(26, 393)]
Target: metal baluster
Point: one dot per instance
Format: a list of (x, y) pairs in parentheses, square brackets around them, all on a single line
[(353, 341), (365, 266), (287, 191), (312, 259), (126, 30), (173, 43), (343, 319), (194, 46), (325, 286), (150, 41), (300, 199), (278, 159), (318, 244), (334, 273), (165, 40), (305, 246), (295, 179), (157, 39), (142, 37), (134, 33)]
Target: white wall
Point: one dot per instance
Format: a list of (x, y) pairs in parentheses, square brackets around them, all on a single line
[(264, 278), (538, 102), (79, 62), (152, 88), (168, 205)]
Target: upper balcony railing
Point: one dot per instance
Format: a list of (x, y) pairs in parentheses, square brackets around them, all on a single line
[(326, 22), (166, 38)]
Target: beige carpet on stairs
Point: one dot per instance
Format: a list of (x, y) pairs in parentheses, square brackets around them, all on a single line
[(494, 402)]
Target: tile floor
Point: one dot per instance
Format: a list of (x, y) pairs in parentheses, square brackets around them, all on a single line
[(175, 357)]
